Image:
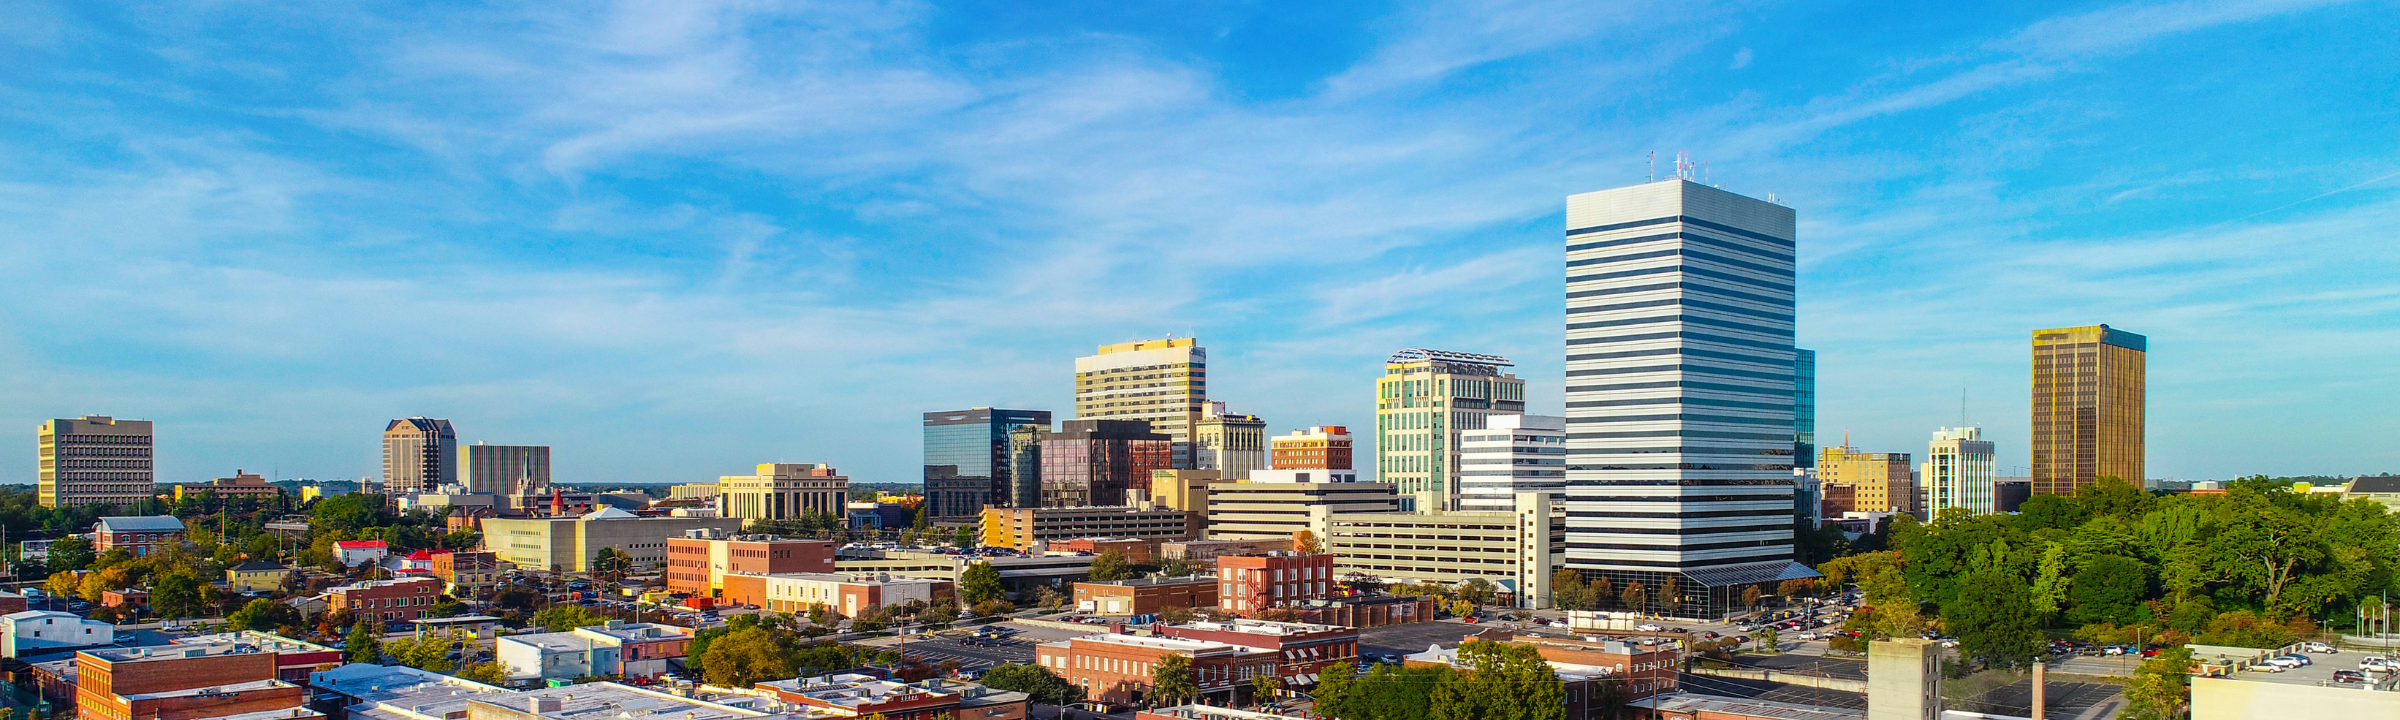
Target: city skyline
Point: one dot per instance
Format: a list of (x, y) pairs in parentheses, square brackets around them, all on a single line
[(220, 236)]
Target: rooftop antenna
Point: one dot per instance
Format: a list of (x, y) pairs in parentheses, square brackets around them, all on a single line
[(1650, 173)]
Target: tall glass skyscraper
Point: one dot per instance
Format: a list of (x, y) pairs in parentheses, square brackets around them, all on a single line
[(1680, 365), (967, 458)]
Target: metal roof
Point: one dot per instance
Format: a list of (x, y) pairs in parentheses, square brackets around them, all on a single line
[(1416, 354), (140, 523)]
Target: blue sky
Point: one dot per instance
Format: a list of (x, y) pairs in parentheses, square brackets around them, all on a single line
[(673, 239)]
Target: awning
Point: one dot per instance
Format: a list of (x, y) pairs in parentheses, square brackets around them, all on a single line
[(1750, 573)]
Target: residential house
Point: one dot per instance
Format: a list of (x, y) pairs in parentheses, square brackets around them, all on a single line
[(257, 576)]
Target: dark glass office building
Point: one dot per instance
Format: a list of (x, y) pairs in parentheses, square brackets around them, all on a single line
[(968, 460), (1091, 463)]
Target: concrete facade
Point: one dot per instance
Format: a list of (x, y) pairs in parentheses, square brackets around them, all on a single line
[(568, 544), (502, 469), (1959, 472), (698, 562), (95, 460), (1162, 382), (1512, 454), (1422, 402), (1264, 510), (1904, 680), (784, 491), (1518, 550), (419, 455)]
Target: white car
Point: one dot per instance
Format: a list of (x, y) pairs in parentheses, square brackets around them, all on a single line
[(2284, 662), (1648, 628), (2318, 647), (2374, 663)]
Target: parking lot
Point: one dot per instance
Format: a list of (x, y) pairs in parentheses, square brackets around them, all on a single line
[(1413, 638)]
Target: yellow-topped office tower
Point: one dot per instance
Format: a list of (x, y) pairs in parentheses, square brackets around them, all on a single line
[(1164, 382), (2088, 399)]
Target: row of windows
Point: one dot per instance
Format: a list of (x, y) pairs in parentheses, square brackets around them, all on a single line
[(1729, 356), (1768, 255), (1686, 270)]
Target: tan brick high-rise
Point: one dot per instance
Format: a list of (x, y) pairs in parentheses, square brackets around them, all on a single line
[(2088, 407), (1164, 382)]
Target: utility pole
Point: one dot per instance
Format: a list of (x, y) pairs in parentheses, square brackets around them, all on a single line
[(2037, 687)]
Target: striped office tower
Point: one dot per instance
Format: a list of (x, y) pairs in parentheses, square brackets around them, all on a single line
[(1679, 393)]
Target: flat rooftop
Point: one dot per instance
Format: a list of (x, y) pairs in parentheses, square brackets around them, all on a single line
[(290, 713), (265, 641), (1260, 627), (1155, 581), (400, 693), (615, 702), (1695, 704), (1195, 647), (172, 652), (213, 690), (850, 691)]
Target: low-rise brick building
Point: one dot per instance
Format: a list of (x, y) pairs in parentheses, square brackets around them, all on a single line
[(140, 535), (1303, 650), (1145, 596), (1250, 584), (385, 600), (698, 562), (854, 695), (1116, 669), (1631, 672), (1366, 611), (846, 594), (139, 683)]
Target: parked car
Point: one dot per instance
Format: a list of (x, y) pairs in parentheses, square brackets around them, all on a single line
[(1710, 635), (2112, 651), (2349, 676), (1648, 627), (2375, 663), (2283, 661), (2318, 647)]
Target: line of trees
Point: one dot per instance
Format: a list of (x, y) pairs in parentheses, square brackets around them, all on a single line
[(1506, 682), (2255, 566)]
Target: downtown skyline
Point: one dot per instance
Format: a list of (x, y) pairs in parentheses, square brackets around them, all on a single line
[(675, 247)]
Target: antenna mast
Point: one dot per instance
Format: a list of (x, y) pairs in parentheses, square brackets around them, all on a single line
[(1650, 173)]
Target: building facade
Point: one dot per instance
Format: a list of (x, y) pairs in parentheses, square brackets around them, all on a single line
[(1229, 443), (419, 455), (633, 650), (1019, 528), (385, 600), (1116, 669), (30, 632), (1516, 550), (1277, 503), (1160, 382), (141, 535), (1866, 482), (1804, 407), (1960, 472), (241, 485), (1423, 401), (95, 460), (969, 453), (501, 469), (1145, 596), (1325, 447), (1303, 651), (1093, 463), (1679, 392), (568, 544), (698, 562), (1512, 454), (784, 491), (848, 595), (467, 574), (1251, 584), (2089, 405)]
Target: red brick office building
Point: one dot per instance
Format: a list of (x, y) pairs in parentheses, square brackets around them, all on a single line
[(1250, 584)]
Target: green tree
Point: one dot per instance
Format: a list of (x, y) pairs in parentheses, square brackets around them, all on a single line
[(2050, 583), (1994, 619), (1179, 567), (70, 553), (964, 537), (1567, 591), (743, 657), (980, 582), (1337, 694), (1171, 681), (1044, 686), (1263, 688), (262, 615), (362, 644), (1770, 640), (488, 673), (1635, 597), (264, 546), (563, 618), (1477, 591), (347, 513), (1110, 565), (1507, 682), (2108, 589), (176, 595), (63, 583), (431, 654), (2161, 687), (1403, 694)]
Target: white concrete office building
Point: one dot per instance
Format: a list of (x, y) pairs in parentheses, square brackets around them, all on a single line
[(1679, 365), (1959, 472), (1512, 454)]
